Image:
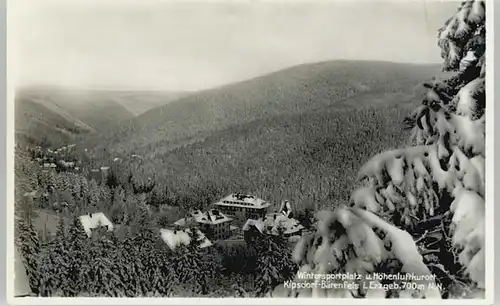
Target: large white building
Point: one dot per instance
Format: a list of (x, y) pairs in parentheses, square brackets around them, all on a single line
[(253, 207)]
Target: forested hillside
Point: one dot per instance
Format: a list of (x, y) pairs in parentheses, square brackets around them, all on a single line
[(95, 110), (309, 158), (278, 142), (37, 124), (291, 91)]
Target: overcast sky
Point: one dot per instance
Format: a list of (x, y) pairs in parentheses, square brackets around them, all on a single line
[(145, 44)]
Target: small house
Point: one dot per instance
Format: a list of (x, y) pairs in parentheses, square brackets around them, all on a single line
[(176, 237), (286, 209), (291, 227), (270, 225), (253, 229), (104, 173), (94, 221), (95, 174)]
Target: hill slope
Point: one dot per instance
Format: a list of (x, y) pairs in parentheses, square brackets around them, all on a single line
[(35, 123), (308, 158), (138, 102), (91, 108), (291, 91), (299, 134)]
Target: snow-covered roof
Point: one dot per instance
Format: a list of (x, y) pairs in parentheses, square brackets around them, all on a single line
[(271, 223), (286, 208), (174, 238), (95, 220), (258, 224), (289, 225), (21, 280), (67, 164), (212, 216), (242, 200)]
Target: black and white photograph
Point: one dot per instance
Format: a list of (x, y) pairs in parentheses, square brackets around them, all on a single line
[(251, 149)]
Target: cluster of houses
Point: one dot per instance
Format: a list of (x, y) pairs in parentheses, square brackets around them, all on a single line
[(51, 159), (216, 223)]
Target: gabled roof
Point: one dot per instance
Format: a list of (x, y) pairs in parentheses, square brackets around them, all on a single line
[(174, 238), (289, 225), (212, 216), (95, 220), (258, 224), (271, 223), (286, 208), (241, 200)]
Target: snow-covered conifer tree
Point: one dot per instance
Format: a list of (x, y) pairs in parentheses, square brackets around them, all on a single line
[(422, 209)]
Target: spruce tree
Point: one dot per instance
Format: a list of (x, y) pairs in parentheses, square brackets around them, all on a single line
[(422, 208), (30, 250)]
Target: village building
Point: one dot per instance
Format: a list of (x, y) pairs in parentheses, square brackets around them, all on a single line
[(176, 237), (271, 225), (253, 207), (286, 209), (104, 173), (290, 226), (95, 221), (253, 229), (96, 175), (213, 223)]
